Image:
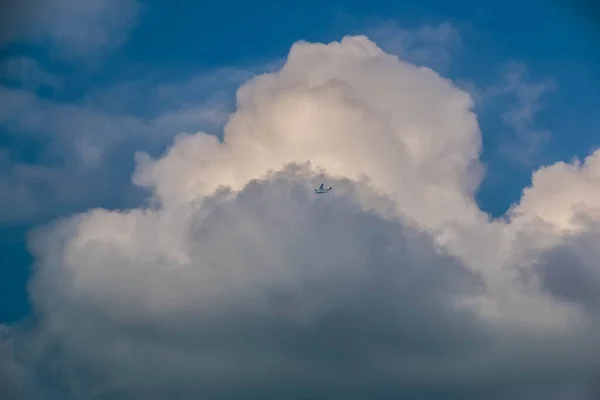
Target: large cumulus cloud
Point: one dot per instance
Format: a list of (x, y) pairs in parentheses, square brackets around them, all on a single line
[(235, 281)]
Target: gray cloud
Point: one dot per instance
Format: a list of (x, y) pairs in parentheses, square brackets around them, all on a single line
[(75, 29), (570, 270), (11, 18), (337, 288), (285, 294)]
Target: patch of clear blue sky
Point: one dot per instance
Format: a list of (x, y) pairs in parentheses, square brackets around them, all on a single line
[(175, 40)]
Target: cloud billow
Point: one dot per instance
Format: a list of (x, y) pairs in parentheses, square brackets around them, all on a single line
[(239, 282)]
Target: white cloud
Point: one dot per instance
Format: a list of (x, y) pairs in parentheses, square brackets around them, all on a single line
[(279, 119), (239, 280), (564, 195)]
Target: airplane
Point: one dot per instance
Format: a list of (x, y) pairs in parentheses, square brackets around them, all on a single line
[(322, 189)]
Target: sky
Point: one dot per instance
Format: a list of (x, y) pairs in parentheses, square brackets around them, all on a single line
[(158, 222)]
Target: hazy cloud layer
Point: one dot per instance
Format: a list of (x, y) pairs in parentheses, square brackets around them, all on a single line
[(52, 151), (74, 29), (237, 282)]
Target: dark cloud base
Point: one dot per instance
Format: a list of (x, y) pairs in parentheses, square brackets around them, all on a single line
[(361, 308)]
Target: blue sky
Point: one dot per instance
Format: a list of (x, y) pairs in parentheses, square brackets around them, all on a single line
[(85, 90)]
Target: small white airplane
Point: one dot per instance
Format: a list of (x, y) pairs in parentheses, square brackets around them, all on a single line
[(322, 189)]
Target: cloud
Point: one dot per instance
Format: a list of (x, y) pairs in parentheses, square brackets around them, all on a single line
[(277, 305), (76, 29), (430, 45), (24, 186), (569, 271), (279, 118), (236, 281), (11, 19), (563, 195), (53, 150), (28, 73), (526, 140), (10, 372)]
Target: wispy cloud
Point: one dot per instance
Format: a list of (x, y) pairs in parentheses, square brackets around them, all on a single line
[(430, 45), (516, 97), (74, 29), (521, 99), (28, 73), (78, 143)]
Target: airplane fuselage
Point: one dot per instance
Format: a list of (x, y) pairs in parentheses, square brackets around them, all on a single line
[(321, 190)]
